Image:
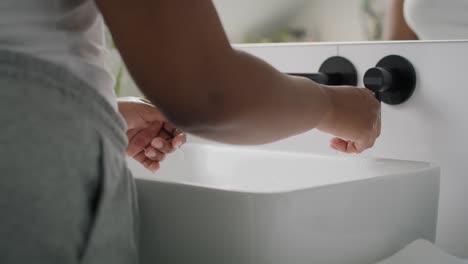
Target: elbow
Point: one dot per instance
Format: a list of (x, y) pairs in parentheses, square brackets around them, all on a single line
[(198, 119), (200, 99), (208, 110)]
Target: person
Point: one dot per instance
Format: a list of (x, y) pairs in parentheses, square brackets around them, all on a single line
[(66, 195), (426, 20)]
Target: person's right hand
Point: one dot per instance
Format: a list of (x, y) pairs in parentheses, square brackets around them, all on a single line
[(150, 136), (354, 118)]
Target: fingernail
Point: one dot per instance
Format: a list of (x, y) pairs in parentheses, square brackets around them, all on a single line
[(157, 144), (151, 154), (178, 144)]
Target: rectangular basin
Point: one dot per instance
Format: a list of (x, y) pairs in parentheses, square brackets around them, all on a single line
[(215, 204)]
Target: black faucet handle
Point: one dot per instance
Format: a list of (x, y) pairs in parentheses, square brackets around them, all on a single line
[(378, 80), (393, 80), (333, 71)]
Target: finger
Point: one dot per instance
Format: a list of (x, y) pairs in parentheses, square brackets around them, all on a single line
[(376, 133), (154, 154), (131, 133), (170, 128), (352, 148), (146, 162), (143, 138), (154, 166), (345, 146), (179, 140), (371, 144), (379, 125), (140, 157), (165, 135), (338, 144), (151, 165), (368, 91), (150, 113), (162, 145)]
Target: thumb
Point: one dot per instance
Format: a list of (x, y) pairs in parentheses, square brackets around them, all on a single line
[(345, 145), (150, 113), (138, 113)]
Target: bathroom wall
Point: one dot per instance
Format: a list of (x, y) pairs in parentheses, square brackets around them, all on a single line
[(431, 126)]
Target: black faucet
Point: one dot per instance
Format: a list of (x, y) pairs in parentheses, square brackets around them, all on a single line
[(334, 71), (393, 80)]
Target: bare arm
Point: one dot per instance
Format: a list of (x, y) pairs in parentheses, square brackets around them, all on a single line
[(395, 27), (178, 54)]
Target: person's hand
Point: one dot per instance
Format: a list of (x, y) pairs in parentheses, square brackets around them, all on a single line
[(354, 119), (150, 137)]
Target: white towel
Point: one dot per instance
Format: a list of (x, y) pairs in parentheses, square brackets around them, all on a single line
[(422, 252)]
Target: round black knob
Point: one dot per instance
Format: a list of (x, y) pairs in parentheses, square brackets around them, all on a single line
[(340, 71), (378, 80), (393, 80)]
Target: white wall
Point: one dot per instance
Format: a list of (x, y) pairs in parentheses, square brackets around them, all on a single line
[(431, 126)]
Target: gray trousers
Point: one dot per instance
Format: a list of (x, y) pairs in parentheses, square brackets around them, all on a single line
[(66, 195)]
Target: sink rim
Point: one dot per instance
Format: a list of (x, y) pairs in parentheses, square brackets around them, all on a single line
[(424, 166)]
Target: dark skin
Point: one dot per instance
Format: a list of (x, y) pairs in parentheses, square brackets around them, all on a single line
[(180, 57), (396, 27)]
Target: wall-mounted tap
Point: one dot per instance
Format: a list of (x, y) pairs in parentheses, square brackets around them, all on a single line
[(393, 80), (334, 71)]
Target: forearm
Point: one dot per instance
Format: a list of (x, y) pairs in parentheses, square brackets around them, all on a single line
[(395, 26), (199, 82), (258, 104)]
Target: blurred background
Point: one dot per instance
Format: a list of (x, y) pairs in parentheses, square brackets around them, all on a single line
[(274, 21), (301, 20)]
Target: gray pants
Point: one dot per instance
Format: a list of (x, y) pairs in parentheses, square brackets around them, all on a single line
[(66, 195)]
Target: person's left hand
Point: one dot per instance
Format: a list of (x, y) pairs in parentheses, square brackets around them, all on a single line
[(150, 136)]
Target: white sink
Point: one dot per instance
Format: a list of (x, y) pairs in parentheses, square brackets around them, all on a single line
[(212, 204)]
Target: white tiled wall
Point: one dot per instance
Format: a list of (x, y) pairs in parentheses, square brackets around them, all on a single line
[(431, 126)]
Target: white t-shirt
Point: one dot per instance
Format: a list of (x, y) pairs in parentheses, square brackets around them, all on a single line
[(66, 32), (438, 19)]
